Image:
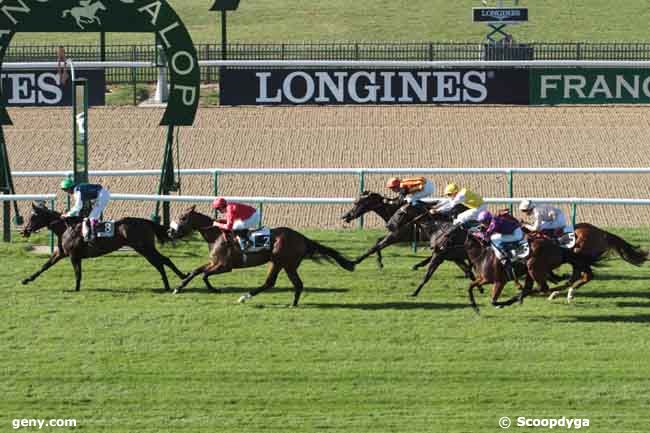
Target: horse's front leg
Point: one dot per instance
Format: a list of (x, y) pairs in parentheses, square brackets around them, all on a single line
[(53, 260), (76, 265), (389, 239), (434, 262), (418, 265), (190, 277), (214, 270)]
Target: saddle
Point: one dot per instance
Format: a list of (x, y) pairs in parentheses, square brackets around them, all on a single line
[(517, 251), (564, 239), (258, 240), (103, 229)]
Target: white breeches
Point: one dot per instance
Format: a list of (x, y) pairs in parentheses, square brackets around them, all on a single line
[(427, 191), (498, 239), (252, 223), (100, 204), (469, 215)]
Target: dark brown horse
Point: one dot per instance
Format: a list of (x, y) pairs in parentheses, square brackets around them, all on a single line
[(288, 249), (593, 245), (385, 207), (139, 234), (430, 225), (545, 256)]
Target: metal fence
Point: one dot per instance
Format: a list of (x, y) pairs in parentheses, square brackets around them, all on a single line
[(335, 51)]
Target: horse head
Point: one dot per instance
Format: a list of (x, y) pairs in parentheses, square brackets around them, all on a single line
[(189, 221), (39, 218), (367, 202)]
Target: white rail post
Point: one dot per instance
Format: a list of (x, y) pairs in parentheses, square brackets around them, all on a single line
[(162, 86)]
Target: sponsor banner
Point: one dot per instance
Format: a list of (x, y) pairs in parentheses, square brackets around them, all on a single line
[(500, 15), (374, 87), (43, 88), (590, 86)]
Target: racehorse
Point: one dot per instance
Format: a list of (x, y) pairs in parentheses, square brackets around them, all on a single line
[(545, 255), (85, 14), (384, 207), (407, 216), (591, 246), (137, 233), (288, 249)]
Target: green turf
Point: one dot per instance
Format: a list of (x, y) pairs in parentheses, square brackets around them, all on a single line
[(437, 20), (358, 355)]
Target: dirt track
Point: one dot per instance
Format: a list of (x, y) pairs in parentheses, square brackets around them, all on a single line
[(130, 138)]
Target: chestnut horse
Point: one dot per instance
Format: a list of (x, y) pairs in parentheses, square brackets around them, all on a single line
[(593, 245), (545, 256), (137, 233), (288, 249)]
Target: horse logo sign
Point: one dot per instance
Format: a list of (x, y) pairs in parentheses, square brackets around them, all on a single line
[(85, 13)]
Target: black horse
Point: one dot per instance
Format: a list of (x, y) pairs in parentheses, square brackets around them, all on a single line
[(437, 226), (385, 207), (137, 233)]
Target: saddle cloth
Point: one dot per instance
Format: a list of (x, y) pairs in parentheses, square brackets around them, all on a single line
[(260, 240), (564, 239), (517, 251), (105, 229)]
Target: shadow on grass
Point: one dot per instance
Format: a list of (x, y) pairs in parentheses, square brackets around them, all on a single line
[(614, 294), (633, 304), (391, 306), (226, 290), (616, 277), (636, 318)]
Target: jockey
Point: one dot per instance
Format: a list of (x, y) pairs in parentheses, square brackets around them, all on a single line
[(499, 230), (240, 218), (411, 189), (84, 194), (456, 196), (548, 219)]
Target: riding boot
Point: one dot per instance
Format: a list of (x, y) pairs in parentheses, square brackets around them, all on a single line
[(244, 241), (93, 229), (510, 272)]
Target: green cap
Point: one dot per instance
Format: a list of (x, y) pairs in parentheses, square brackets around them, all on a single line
[(67, 183)]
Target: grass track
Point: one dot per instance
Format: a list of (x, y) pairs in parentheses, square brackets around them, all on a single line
[(357, 356)]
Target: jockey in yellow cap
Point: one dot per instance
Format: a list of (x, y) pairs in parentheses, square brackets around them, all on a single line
[(411, 189), (455, 196)]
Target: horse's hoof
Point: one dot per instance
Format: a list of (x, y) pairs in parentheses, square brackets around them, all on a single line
[(498, 307), (553, 295), (25, 281), (244, 298), (481, 290), (413, 295), (414, 268), (176, 291)]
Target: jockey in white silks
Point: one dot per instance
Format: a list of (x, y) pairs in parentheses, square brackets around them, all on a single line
[(456, 196), (547, 219), (85, 193)]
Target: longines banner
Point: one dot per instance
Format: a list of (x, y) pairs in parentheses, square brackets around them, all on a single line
[(43, 88), (375, 87), (590, 86)]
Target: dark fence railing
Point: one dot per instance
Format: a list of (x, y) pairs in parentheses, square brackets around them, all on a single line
[(336, 51)]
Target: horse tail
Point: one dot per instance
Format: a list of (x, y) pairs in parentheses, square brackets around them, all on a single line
[(160, 232), (316, 251), (65, 13), (628, 252)]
